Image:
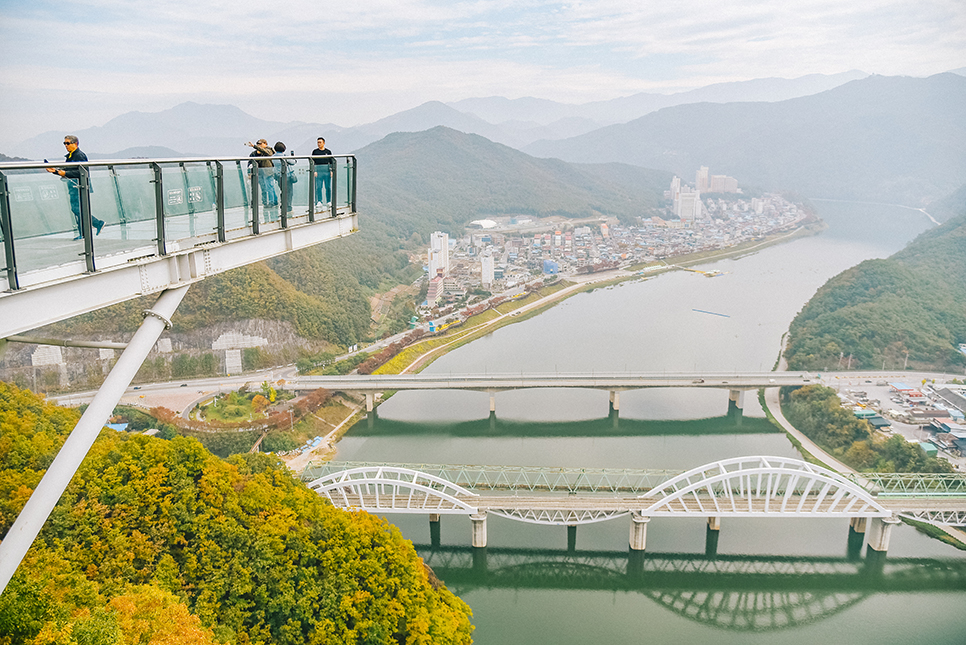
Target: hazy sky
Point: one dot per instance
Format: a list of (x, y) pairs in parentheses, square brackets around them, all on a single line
[(70, 65)]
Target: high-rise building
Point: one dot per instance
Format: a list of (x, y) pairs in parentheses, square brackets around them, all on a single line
[(688, 207), (438, 254), (675, 186), (723, 184), (486, 268), (701, 179)]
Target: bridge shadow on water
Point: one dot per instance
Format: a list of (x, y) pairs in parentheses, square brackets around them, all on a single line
[(733, 592), (610, 426)]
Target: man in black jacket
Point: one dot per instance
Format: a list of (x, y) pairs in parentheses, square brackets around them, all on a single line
[(323, 174), (72, 175)]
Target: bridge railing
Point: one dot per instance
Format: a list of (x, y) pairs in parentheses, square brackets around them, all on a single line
[(532, 479), (129, 209)]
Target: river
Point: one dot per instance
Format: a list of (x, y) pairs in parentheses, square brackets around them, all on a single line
[(774, 581)]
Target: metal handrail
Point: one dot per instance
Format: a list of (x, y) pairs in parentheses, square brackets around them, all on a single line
[(40, 165), (214, 165)]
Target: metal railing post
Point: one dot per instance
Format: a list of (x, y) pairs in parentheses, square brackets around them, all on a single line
[(255, 197), (283, 196), (312, 189), (159, 207), (84, 196), (333, 195), (6, 227), (352, 186), (220, 199), (121, 214)]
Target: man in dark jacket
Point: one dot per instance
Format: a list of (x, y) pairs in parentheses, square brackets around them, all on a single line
[(323, 174), (72, 175)]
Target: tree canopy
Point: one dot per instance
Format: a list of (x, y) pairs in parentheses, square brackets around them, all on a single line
[(907, 309), (157, 537)]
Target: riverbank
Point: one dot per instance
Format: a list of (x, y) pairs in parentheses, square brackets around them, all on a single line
[(420, 355)]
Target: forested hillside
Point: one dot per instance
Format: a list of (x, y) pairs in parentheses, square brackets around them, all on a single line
[(880, 311), (442, 179), (158, 541)]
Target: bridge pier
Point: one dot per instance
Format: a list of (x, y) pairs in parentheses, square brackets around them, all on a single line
[(638, 539), (492, 401), (615, 400), (478, 521), (571, 538), (880, 530), (370, 401), (711, 542), (434, 532), (736, 404), (853, 550)]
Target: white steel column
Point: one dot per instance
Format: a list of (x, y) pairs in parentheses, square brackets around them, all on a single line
[(880, 530), (638, 539), (478, 521), (75, 448)]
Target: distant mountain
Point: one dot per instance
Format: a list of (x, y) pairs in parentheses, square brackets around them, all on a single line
[(203, 129), (497, 109), (879, 138), (950, 206), (442, 179), (425, 116), (142, 152)]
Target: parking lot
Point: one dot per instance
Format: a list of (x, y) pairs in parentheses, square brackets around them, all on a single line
[(875, 392)]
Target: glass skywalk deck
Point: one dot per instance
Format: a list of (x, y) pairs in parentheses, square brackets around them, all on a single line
[(155, 210)]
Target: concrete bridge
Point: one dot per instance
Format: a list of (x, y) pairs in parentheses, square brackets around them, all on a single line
[(734, 592), (777, 487), (737, 383)]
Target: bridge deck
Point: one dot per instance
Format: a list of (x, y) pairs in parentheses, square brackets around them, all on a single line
[(601, 381)]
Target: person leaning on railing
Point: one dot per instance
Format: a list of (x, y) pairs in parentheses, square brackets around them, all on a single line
[(72, 175)]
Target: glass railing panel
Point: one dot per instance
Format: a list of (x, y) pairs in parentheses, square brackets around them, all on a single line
[(132, 230), (300, 190), (344, 185), (42, 221), (238, 199), (190, 217), (122, 213)]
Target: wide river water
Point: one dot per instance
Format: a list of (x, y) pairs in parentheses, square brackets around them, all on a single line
[(767, 581)]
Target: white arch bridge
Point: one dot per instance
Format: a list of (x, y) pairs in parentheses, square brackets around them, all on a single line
[(777, 487)]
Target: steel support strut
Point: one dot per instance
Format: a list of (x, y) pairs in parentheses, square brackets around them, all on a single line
[(38, 508)]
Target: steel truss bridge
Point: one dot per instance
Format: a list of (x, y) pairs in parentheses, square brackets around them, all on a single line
[(739, 593), (739, 487)]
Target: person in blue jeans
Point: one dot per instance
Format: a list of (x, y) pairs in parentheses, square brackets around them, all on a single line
[(280, 159), (323, 174), (72, 175), (266, 172)]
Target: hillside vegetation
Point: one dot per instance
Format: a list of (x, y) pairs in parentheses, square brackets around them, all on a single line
[(880, 311), (442, 179), (159, 541)]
